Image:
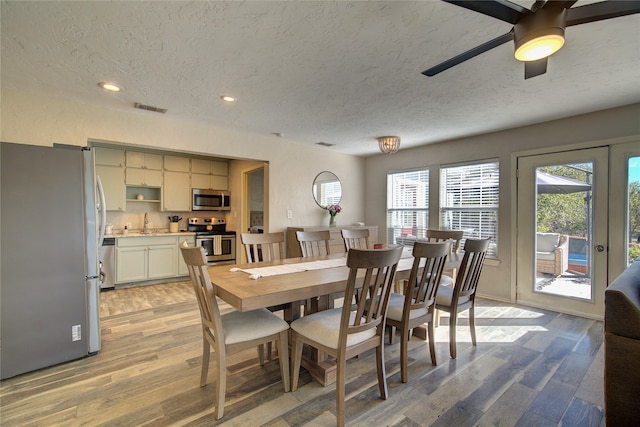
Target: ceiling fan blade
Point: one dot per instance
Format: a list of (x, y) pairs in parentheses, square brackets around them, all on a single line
[(500, 9), (469, 54), (602, 10), (535, 68)]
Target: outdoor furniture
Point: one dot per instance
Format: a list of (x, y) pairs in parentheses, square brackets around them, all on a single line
[(552, 253)]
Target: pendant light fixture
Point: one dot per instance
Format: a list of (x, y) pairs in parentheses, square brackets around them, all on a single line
[(389, 144)]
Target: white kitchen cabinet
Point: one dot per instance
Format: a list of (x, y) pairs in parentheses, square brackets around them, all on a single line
[(112, 178), (176, 164), (144, 177), (150, 257), (212, 174), (136, 159), (209, 167), (213, 182), (109, 156), (176, 192)]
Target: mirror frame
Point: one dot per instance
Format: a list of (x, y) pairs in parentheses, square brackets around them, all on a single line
[(315, 183)]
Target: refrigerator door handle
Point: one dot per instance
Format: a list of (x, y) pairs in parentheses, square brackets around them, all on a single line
[(103, 210)]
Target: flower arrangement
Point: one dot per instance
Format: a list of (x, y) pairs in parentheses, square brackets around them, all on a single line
[(334, 209)]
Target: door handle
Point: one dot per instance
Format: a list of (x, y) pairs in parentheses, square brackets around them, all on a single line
[(599, 248)]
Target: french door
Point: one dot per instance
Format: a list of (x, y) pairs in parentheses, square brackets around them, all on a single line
[(562, 238)]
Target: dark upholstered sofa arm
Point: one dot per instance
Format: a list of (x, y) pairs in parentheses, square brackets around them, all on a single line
[(622, 349)]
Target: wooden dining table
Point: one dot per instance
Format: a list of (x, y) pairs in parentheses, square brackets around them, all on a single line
[(236, 285)]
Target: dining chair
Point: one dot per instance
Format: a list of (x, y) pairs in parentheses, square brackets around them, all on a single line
[(463, 294), (231, 332), (263, 246), (314, 243), (455, 236), (348, 331), (417, 305), (355, 238)]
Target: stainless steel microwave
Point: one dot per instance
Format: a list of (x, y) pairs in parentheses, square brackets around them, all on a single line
[(210, 200)]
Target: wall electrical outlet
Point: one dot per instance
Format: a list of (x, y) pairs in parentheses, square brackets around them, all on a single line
[(128, 225), (289, 213), (76, 333)]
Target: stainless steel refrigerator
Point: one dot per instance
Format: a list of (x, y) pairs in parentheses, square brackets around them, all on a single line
[(49, 267)]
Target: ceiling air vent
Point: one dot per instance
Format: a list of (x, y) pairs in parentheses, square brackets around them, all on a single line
[(149, 108), (325, 144)]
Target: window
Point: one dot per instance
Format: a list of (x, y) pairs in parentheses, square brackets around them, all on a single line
[(407, 205), (469, 201)]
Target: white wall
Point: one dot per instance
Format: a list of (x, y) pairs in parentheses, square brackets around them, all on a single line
[(33, 119), (590, 129)]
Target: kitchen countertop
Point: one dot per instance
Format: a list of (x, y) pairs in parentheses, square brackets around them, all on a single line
[(155, 233)]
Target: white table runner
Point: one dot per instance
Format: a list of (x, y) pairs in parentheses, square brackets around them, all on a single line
[(274, 270)]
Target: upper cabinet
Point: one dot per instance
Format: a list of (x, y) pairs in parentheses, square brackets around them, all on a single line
[(109, 156), (136, 176), (176, 164), (110, 169), (139, 160), (210, 174)]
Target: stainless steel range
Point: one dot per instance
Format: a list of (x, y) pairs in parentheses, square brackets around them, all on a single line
[(218, 243)]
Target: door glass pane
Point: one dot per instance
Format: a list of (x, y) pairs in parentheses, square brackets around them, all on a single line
[(633, 251), (563, 230)]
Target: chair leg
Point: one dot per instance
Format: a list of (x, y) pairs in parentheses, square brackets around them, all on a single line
[(453, 319), (391, 332), (472, 323), (283, 350), (221, 383), (269, 355), (382, 374), (206, 351), (404, 356), (340, 392), (261, 354), (432, 342), (296, 359)]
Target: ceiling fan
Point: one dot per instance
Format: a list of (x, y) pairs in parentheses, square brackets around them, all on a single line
[(537, 32)]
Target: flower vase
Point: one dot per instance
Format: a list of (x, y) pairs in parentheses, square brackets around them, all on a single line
[(332, 220)]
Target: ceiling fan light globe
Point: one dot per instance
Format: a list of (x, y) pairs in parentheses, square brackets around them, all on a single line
[(539, 47)]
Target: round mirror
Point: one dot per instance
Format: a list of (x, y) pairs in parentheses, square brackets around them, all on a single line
[(327, 189)]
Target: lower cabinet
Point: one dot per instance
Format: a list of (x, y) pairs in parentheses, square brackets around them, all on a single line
[(150, 257)]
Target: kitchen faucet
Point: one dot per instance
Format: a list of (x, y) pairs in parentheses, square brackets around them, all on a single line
[(146, 222)]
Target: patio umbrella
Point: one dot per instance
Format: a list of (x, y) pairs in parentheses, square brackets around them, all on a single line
[(554, 184)]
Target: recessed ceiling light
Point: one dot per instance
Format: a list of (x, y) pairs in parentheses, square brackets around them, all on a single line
[(228, 98), (278, 134), (110, 87)]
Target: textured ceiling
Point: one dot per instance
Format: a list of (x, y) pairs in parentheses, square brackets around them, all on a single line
[(338, 72)]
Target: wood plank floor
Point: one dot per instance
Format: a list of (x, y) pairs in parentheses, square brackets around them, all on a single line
[(530, 368)]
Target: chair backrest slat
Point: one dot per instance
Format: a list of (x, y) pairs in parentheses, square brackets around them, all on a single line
[(442, 235), (357, 238), (263, 246), (375, 270), (314, 243), (424, 280), (196, 260), (468, 276)]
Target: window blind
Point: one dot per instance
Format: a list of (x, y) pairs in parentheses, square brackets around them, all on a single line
[(407, 204), (469, 201)]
